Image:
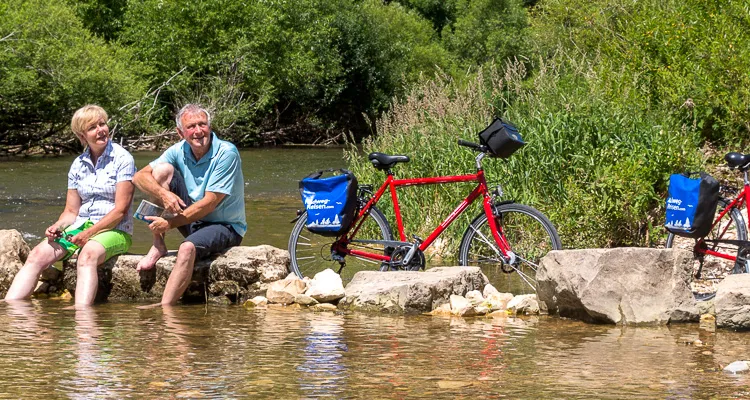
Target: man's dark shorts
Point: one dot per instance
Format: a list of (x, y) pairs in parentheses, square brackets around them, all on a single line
[(208, 237)]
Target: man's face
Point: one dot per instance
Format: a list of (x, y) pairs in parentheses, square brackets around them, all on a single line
[(196, 132)]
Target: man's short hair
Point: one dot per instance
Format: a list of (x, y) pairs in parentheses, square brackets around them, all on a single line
[(191, 108)]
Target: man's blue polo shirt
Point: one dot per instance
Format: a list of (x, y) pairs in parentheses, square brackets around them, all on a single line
[(219, 171)]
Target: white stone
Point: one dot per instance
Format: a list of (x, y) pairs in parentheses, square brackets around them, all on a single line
[(284, 291), (499, 301), (524, 304), (326, 286), (461, 306), (489, 290), (737, 366), (475, 297)]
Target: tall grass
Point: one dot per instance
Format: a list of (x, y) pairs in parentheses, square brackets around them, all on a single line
[(597, 159)]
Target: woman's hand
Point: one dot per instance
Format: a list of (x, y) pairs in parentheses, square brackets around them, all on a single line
[(158, 225), (55, 231), (81, 238)]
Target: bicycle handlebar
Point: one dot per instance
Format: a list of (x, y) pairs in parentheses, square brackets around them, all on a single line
[(472, 145)]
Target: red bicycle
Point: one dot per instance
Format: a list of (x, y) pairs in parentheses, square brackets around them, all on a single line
[(507, 235), (725, 250)]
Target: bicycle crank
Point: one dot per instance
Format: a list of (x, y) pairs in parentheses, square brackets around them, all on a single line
[(398, 257)]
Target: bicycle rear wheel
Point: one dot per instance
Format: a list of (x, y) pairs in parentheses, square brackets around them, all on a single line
[(310, 253), (530, 235), (730, 227)]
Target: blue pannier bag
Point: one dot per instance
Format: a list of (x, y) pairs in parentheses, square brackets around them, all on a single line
[(691, 204), (331, 202)]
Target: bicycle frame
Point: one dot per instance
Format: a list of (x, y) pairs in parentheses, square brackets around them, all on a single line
[(391, 184), (742, 199)]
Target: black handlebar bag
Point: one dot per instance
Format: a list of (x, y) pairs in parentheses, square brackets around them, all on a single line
[(691, 204), (331, 202), (501, 138)]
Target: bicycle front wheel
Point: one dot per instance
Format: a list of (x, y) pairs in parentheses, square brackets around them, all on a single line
[(714, 269), (530, 235), (310, 253)]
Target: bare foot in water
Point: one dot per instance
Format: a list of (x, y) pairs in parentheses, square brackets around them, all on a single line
[(148, 307), (149, 260)]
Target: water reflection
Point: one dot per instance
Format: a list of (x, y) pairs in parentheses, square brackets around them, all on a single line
[(116, 351), (323, 372)]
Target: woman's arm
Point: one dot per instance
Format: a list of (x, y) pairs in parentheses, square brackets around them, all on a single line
[(123, 199), (68, 216)]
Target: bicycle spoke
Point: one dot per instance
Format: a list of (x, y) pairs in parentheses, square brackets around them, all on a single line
[(487, 241)]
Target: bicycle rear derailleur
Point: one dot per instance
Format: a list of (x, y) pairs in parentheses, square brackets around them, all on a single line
[(401, 260)]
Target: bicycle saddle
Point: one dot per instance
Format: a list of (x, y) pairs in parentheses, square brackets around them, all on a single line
[(385, 161), (738, 160)]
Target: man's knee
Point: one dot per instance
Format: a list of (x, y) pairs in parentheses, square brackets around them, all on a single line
[(163, 174), (186, 252)]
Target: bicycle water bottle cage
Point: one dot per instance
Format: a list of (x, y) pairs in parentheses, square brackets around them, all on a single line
[(385, 162), (738, 160)]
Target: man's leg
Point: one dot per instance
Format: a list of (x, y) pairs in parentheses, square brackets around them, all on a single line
[(165, 175), (208, 239), (43, 255)]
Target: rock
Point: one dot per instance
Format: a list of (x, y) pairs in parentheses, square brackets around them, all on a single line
[(706, 307), (410, 291), (489, 290), (732, 302), (498, 314), (461, 306), (442, 310), (305, 300), (737, 366), (239, 272), (326, 286), (13, 253), (284, 291), (258, 301), (498, 301), (524, 304), (481, 309), (620, 285), (323, 307), (475, 297)]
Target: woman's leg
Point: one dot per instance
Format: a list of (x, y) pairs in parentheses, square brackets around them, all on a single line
[(44, 254), (87, 279)]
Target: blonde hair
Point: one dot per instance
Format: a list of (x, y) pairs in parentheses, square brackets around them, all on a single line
[(83, 117)]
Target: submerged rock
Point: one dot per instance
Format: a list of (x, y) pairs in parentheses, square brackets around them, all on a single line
[(621, 285), (410, 291)]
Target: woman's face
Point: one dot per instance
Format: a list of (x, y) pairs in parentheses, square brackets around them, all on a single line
[(96, 134)]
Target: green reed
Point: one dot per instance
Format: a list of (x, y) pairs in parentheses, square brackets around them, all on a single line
[(596, 162)]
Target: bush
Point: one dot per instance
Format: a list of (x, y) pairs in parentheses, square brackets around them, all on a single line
[(49, 67)]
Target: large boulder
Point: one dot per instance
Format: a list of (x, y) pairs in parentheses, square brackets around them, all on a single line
[(621, 285), (732, 303), (13, 253), (233, 274), (410, 291)]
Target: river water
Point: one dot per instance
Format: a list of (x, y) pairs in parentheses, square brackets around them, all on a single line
[(200, 351)]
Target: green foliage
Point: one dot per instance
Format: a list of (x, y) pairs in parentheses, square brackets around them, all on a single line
[(690, 57), (289, 60), (104, 18), (487, 30), (50, 66)]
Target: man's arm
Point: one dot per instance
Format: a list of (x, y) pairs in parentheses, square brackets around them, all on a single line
[(195, 212), (144, 180)]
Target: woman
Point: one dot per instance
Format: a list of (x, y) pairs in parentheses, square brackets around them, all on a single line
[(97, 216)]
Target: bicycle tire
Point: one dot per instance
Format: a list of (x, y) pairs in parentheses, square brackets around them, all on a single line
[(530, 234), (310, 253), (714, 268)]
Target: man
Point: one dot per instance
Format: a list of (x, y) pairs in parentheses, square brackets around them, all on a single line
[(199, 181)]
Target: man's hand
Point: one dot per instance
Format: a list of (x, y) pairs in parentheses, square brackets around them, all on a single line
[(173, 204), (158, 225)]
